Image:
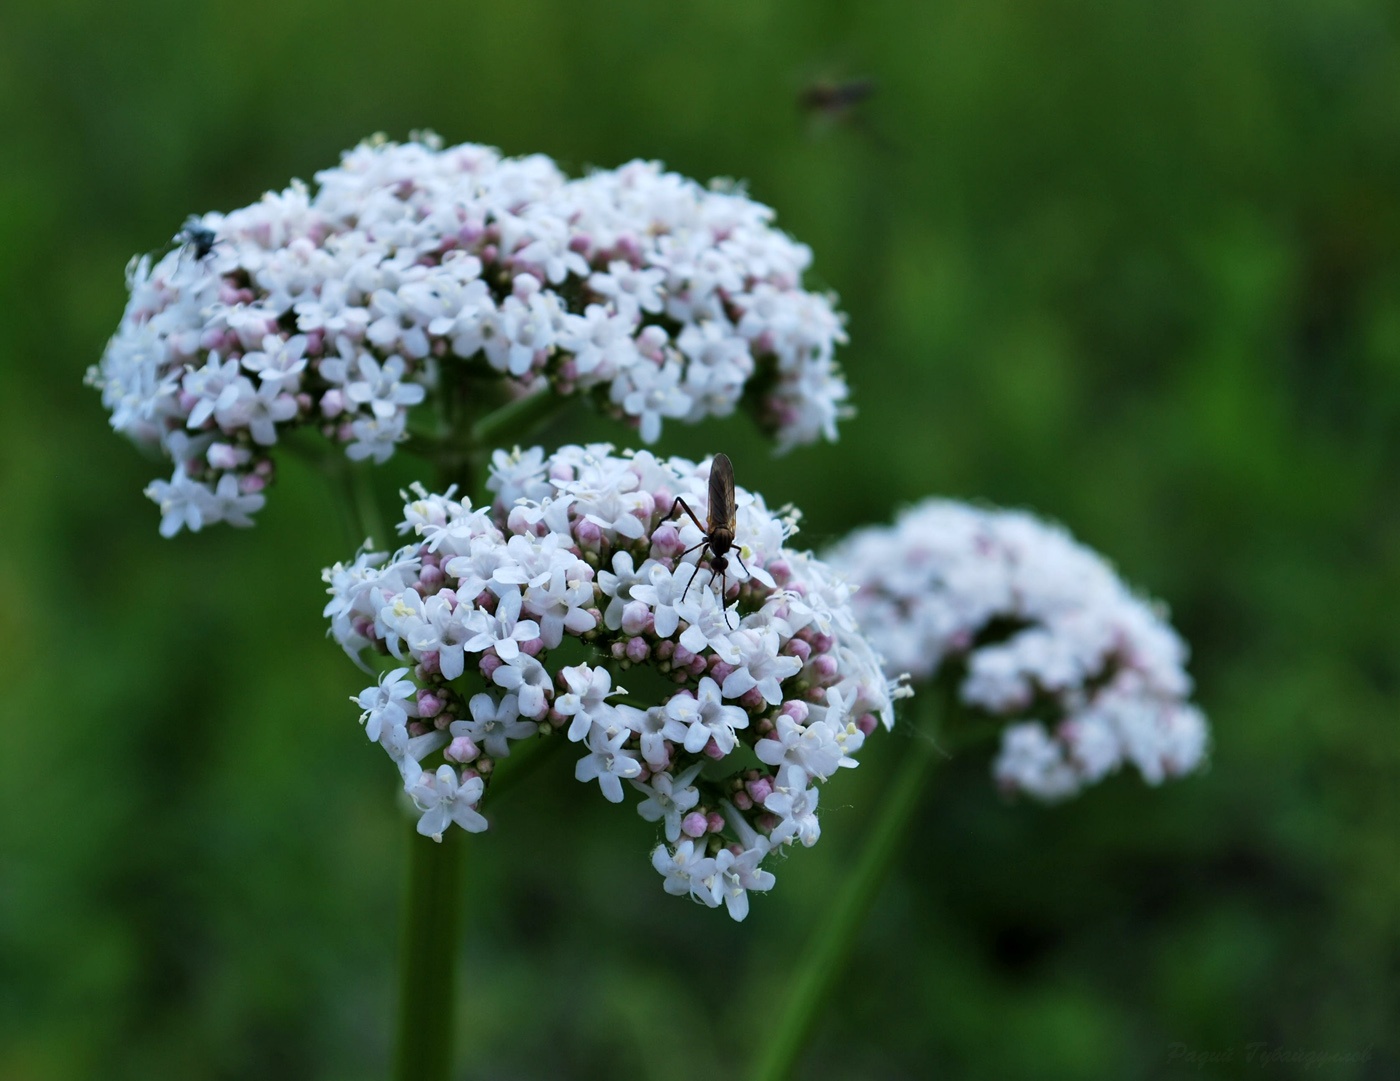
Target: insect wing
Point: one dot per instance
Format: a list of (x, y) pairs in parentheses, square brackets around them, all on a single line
[(721, 494)]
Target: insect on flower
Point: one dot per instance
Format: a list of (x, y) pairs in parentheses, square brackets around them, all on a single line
[(195, 237), (718, 539)]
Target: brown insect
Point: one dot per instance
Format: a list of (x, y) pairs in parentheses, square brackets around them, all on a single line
[(834, 100), (718, 539)]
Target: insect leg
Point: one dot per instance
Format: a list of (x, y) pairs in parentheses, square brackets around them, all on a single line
[(685, 507), (723, 594), (706, 545)]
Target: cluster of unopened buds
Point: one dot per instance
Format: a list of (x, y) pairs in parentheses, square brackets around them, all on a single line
[(1036, 629), (415, 270), (521, 620)]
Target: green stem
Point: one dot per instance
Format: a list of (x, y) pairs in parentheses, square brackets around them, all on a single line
[(516, 419), (831, 945), (362, 498), (432, 920), (428, 957)]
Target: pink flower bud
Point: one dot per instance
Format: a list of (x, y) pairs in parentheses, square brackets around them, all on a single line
[(751, 699), (429, 704), (251, 483), (532, 647), (666, 541), (226, 456), (741, 800), (823, 643), (634, 617), (431, 579), (823, 669), (418, 728), (720, 670), (712, 750), (489, 663), (694, 824), (588, 534), (698, 666), (867, 723), (715, 821), (461, 749), (799, 649), (638, 650), (651, 343), (796, 710), (683, 656), (666, 650), (760, 789)]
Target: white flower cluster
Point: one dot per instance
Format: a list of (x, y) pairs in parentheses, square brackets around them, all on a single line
[(1033, 626), (520, 620), (413, 267)]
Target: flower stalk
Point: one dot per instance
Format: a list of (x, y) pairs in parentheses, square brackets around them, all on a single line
[(831, 945), (428, 952)]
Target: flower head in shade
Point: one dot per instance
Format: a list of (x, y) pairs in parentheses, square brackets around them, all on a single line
[(1036, 629), (344, 306), (531, 618)]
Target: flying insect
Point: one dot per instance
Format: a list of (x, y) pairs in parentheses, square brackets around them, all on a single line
[(718, 532), (195, 237)]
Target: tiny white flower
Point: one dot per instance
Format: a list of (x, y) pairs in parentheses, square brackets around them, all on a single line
[(608, 763), (529, 681), (444, 798), (586, 700), (706, 717), (669, 798), (383, 704), (494, 724)]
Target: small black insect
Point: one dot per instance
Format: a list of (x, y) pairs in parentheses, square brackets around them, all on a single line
[(718, 539), (834, 100), (196, 237)]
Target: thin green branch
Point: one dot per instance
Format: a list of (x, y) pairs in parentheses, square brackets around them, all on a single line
[(428, 957), (432, 920), (516, 420), (829, 948)]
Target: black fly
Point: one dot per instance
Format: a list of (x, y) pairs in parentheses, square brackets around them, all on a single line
[(834, 100), (718, 539), (196, 237)]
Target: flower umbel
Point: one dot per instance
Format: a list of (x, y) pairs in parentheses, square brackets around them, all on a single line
[(414, 272), (1033, 627), (488, 613)]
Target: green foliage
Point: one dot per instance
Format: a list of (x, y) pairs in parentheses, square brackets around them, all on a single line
[(1133, 266)]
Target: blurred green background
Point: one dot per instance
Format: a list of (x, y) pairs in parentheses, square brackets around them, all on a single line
[(1135, 266)]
